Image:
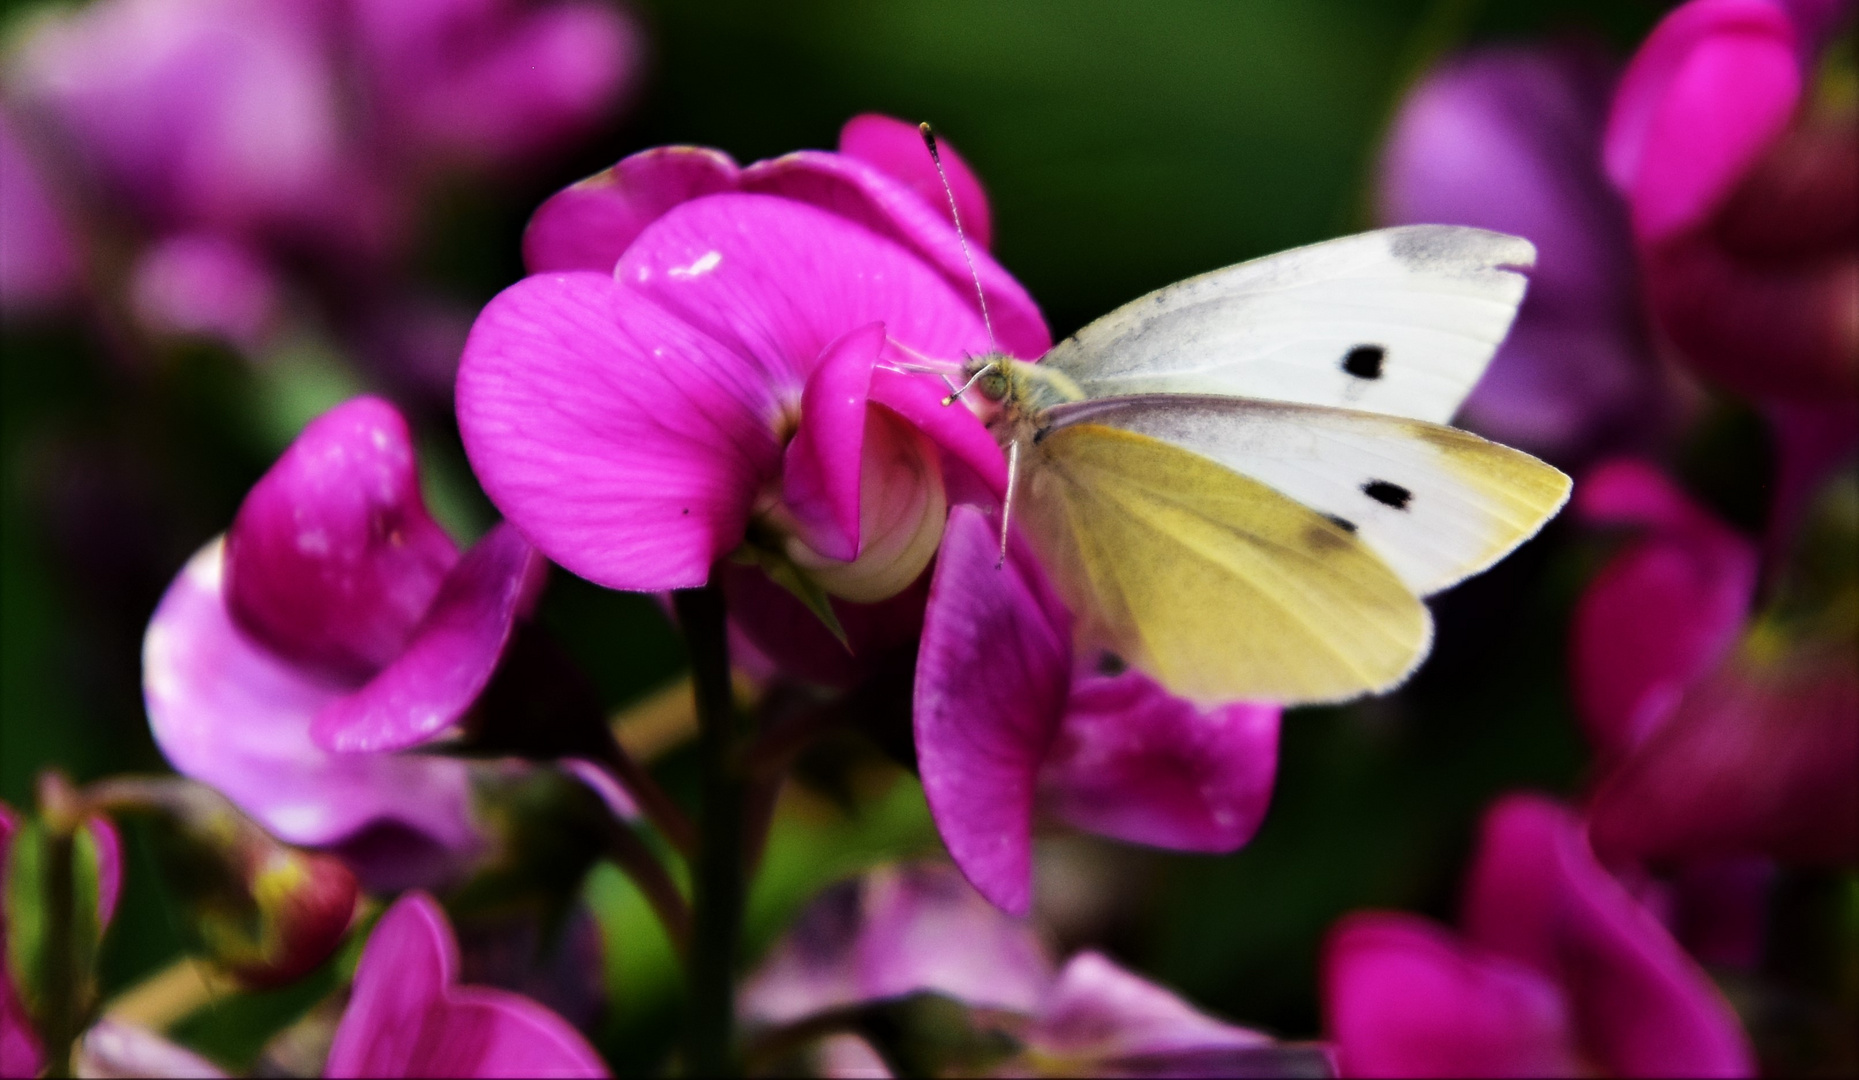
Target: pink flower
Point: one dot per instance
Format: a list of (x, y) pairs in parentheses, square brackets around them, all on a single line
[(1509, 139), (39, 257), (407, 1015), (1559, 972), (1719, 738), (694, 370), (335, 618), (1662, 613), (1006, 717), (1748, 227), (920, 929)]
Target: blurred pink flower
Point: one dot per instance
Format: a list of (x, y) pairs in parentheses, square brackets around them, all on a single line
[(1662, 613), (334, 618), (920, 928), (1007, 717), (407, 1015), (1717, 739), (303, 126), (1745, 205), (1559, 972), (695, 363), (1509, 138), (205, 284)]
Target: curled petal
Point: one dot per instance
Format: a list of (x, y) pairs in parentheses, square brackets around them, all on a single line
[(859, 193), (902, 507), (589, 224), (820, 474), (896, 149), (992, 678), (1097, 1010), (1538, 897), (894, 932), (408, 1017), (959, 433), (1709, 90), (333, 559), (1662, 613), (451, 657), (1402, 997), (625, 444), (1132, 761), (229, 713)]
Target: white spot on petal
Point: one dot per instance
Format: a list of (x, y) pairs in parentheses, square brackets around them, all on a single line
[(705, 263)]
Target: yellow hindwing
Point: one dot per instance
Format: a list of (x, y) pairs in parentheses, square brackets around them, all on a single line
[(1214, 584)]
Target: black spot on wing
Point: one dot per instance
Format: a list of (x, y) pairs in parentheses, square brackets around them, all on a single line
[(1110, 664), (1342, 523), (1388, 494), (1364, 361)]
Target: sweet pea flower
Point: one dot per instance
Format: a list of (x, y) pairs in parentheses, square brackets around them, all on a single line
[(703, 363), (1559, 971), (1745, 205), (333, 621), (920, 929), (1721, 735), (39, 258), (1008, 717), (407, 1015), (1509, 138)]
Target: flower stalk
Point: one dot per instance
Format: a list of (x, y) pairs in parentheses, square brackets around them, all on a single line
[(719, 883)]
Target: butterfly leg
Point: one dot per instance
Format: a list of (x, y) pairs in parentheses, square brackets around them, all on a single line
[(1013, 476)]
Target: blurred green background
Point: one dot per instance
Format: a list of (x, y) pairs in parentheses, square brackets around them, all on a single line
[(1124, 145)]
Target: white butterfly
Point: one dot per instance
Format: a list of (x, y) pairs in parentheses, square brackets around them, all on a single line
[(1242, 483)]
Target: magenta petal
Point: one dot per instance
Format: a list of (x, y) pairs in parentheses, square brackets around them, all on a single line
[(820, 476), (777, 280), (589, 224), (450, 659), (858, 193), (1402, 997), (895, 148), (229, 713), (992, 678), (333, 559), (406, 1016), (1538, 896), (1661, 614), (1709, 90), (39, 258), (625, 445), (21, 1052), (1134, 762), (108, 844), (959, 432)]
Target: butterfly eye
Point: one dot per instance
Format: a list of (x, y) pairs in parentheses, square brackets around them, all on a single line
[(994, 384)]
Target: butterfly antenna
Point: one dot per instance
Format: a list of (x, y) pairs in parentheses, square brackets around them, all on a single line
[(955, 215), (957, 391)]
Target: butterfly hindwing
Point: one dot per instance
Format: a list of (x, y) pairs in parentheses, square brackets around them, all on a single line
[(1219, 587), (1398, 321), (1435, 503)]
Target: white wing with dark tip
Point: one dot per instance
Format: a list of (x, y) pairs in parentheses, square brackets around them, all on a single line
[(1398, 321), (1435, 503)]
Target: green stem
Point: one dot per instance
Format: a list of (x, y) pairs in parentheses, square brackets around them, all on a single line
[(719, 883), (63, 986)]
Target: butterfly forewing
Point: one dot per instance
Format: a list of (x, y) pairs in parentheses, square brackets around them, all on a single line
[(1398, 321), (1216, 585), (1435, 503)]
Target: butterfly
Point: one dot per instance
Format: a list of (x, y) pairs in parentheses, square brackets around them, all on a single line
[(1244, 484)]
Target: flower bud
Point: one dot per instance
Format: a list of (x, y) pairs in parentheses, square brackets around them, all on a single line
[(902, 507), (266, 912)]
